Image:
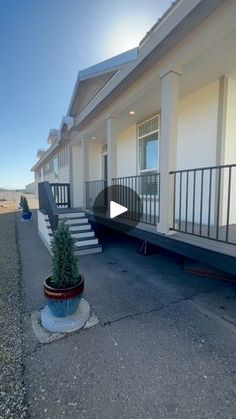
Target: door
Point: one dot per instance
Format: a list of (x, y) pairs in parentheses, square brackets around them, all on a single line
[(104, 176), (104, 166)]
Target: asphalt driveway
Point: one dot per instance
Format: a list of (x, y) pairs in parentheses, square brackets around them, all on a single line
[(164, 347)]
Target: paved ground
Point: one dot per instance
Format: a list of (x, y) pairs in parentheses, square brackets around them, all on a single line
[(164, 348)]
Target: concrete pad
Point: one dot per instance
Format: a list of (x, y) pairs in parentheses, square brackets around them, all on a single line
[(44, 336)]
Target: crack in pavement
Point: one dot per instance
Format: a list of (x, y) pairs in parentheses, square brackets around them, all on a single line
[(154, 310), (137, 314)]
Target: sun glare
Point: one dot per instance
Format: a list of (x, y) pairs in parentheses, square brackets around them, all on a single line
[(126, 34)]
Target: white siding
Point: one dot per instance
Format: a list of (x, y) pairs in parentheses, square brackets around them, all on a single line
[(50, 177), (64, 174)]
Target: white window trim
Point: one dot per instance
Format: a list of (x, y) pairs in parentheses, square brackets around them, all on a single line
[(158, 116)]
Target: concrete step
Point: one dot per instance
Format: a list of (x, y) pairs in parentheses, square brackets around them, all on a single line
[(72, 215), (77, 221), (81, 227), (82, 234), (86, 242), (88, 250)]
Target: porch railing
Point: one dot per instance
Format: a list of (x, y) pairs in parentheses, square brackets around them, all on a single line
[(204, 202), (47, 203), (147, 186), (93, 189), (61, 193)]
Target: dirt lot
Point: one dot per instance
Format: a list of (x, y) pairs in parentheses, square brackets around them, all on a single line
[(12, 202)]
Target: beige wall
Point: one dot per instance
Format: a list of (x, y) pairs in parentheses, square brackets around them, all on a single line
[(126, 152), (196, 148), (77, 184), (197, 128), (230, 143), (230, 153), (95, 162)]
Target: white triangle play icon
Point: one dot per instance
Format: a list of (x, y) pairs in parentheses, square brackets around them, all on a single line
[(116, 209)]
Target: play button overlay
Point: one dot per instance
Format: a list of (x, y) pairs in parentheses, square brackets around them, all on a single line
[(117, 204), (116, 209)]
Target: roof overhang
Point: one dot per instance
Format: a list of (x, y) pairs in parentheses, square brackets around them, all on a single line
[(182, 19)]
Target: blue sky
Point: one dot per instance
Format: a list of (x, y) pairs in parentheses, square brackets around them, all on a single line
[(43, 45)]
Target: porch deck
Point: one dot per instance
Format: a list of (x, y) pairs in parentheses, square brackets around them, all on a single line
[(209, 251)]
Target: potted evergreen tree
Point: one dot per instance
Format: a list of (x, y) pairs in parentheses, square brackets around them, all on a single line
[(26, 213), (21, 201), (65, 286)]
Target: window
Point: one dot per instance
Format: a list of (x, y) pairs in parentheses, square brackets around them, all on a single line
[(148, 137), (47, 168), (63, 157), (55, 166)]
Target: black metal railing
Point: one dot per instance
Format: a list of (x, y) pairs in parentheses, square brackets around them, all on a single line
[(61, 193), (95, 189), (47, 203), (204, 202), (147, 187)]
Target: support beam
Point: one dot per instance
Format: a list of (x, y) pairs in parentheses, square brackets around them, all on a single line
[(84, 166), (111, 149), (168, 145)]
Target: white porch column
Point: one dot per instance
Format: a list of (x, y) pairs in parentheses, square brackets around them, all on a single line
[(84, 166), (41, 174), (168, 144), (111, 149)]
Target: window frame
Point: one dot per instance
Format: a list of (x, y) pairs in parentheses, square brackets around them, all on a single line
[(157, 116), (55, 159)]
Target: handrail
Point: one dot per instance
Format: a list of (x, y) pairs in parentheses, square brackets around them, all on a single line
[(223, 166), (204, 202), (147, 187), (146, 173), (95, 181), (47, 203)]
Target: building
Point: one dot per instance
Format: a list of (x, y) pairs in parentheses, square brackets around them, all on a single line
[(160, 119)]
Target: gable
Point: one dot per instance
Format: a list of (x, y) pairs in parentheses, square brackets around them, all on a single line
[(87, 89)]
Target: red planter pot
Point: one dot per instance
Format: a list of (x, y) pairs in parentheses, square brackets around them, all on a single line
[(63, 302)]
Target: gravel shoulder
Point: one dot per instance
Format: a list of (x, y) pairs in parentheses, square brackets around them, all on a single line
[(12, 393)]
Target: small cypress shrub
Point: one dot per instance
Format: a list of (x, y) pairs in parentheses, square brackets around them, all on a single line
[(65, 272), (25, 206)]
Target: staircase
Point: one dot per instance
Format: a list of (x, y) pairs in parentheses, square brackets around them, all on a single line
[(84, 237), (81, 231), (54, 206)]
